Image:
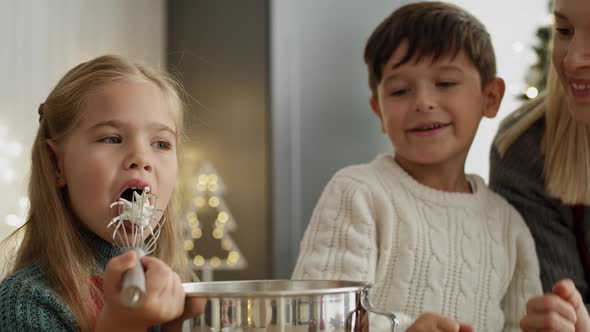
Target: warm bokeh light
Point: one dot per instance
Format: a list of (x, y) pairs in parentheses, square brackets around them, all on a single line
[(13, 220), (203, 179), (196, 233), (199, 260), (212, 187), (223, 216), (218, 233), (233, 258), (188, 245), (532, 92), (214, 201), (215, 261), (192, 219), (199, 201)]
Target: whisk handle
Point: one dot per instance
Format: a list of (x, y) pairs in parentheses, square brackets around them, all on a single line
[(133, 287)]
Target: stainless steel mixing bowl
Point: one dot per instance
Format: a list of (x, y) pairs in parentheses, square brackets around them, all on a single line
[(282, 306)]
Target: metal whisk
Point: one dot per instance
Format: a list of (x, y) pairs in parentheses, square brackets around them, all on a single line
[(137, 225)]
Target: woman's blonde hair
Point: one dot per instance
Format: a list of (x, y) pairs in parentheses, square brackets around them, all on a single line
[(565, 144), (51, 237)]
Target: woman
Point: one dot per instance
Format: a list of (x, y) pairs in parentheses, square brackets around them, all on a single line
[(540, 163)]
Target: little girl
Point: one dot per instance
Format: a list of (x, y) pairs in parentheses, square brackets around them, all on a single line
[(107, 126)]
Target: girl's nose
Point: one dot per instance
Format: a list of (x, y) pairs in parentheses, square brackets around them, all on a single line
[(140, 164), (138, 158)]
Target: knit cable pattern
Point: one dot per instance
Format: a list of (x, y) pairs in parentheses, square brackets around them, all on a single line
[(466, 256)]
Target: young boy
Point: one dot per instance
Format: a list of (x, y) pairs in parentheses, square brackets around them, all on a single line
[(443, 251)]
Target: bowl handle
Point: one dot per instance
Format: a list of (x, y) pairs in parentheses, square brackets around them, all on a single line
[(366, 303)]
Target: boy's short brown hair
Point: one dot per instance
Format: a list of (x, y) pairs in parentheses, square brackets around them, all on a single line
[(431, 29)]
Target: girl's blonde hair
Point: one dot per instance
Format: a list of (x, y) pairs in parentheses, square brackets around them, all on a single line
[(51, 237), (565, 144)]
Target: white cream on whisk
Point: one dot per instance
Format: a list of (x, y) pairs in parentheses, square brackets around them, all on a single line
[(138, 212)]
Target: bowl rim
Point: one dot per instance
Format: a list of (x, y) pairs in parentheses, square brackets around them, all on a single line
[(273, 287)]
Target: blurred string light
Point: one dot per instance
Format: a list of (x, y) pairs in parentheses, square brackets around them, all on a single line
[(17, 220), (10, 150), (188, 245), (532, 92), (538, 58), (517, 47)]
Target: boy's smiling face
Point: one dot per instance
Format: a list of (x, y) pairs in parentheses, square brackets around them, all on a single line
[(431, 110)]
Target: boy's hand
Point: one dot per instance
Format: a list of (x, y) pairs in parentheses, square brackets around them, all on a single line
[(163, 300), (435, 322), (562, 310)]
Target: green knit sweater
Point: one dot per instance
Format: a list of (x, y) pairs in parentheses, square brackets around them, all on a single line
[(27, 302)]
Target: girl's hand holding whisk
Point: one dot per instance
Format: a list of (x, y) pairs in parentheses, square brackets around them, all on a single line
[(163, 301), (145, 292)]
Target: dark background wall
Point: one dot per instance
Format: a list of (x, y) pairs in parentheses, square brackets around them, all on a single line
[(219, 50)]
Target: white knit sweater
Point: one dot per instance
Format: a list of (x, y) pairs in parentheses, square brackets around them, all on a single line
[(466, 256)]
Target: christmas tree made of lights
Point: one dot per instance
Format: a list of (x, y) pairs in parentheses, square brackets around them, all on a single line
[(208, 222)]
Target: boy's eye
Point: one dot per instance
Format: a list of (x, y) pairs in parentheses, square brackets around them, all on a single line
[(445, 84), (110, 140), (163, 145), (398, 92)]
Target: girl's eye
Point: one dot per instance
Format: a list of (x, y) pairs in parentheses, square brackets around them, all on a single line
[(163, 145), (110, 140)]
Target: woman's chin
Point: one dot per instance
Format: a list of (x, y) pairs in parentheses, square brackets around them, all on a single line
[(580, 110)]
